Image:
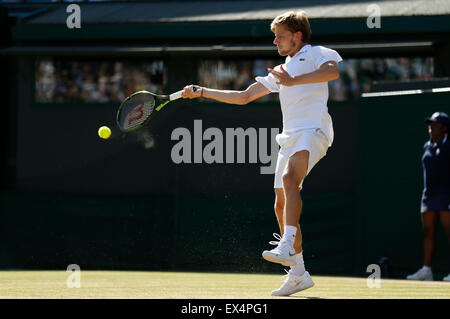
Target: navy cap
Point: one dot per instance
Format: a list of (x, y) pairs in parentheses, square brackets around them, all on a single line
[(439, 117)]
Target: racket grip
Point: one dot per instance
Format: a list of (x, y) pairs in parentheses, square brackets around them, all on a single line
[(175, 96)]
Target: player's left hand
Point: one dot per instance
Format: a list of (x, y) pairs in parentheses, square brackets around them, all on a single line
[(283, 77)]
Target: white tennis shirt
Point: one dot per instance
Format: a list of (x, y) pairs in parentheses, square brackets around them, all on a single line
[(303, 106)]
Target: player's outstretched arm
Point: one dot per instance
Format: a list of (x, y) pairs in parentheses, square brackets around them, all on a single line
[(253, 92)]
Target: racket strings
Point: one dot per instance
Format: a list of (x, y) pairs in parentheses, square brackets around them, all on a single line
[(135, 113)]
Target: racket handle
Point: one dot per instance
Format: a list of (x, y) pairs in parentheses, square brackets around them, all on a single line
[(177, 95)]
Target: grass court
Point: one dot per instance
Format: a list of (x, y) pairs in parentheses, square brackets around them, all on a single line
[(196, 285)]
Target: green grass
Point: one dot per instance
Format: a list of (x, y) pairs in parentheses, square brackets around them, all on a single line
[(191, 285)]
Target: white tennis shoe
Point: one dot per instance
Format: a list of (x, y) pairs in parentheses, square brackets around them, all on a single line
[(422, 274), (293, 284), (283, 254)]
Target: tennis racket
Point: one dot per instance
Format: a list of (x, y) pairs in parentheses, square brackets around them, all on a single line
[(138, 108)]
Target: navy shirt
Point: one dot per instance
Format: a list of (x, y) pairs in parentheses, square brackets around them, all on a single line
[(436, 168)]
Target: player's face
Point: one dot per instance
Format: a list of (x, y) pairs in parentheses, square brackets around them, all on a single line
[(286, 41), (436, 131)]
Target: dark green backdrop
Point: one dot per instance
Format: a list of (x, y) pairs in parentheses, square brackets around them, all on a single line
[(117, 205)]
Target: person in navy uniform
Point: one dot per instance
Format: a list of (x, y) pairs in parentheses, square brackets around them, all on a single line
[(436, 193)]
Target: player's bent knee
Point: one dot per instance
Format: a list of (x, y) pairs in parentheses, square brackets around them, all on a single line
[(290, 181)]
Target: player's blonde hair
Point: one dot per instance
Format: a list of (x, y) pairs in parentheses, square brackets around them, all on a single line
[(294, 22)]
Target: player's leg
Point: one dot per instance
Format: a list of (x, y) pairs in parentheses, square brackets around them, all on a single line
[(293, 164), (298, 278), (292, 167), (295, 171), (429, 222)]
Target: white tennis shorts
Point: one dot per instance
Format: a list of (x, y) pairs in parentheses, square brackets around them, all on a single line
[(313, 140)]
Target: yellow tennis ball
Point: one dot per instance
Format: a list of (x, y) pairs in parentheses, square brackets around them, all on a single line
[(104, 132)]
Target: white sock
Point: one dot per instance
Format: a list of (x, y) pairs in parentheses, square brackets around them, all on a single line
[(299, 268), (289, 233)]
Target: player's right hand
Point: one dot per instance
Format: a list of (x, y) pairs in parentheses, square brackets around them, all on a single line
[(191, 92)]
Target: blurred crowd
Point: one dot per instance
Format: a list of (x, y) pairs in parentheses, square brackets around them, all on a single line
[(356, 75), (68, 81), (234, 75)]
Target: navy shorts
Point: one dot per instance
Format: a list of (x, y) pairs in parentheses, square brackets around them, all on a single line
[(435, 203)]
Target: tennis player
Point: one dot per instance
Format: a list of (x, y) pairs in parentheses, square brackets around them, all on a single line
[(302, 84)]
